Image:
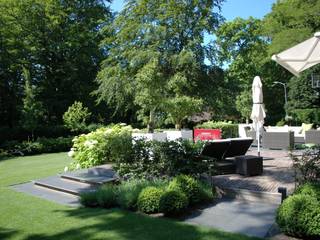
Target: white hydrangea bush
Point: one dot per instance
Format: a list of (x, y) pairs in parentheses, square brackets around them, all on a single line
[(107, 144)]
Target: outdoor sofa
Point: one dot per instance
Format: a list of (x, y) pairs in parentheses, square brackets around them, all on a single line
[(224, 152), (278, 140)]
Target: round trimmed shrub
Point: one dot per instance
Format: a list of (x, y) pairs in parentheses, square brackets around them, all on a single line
[(299, 216), (189, 186), (173, 202), (310, 189), (107, 196), (149, 200)]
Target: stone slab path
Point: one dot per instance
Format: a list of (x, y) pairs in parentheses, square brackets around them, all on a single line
[(245, 217)]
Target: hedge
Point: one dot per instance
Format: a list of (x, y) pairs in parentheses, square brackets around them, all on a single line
[(229, 130)]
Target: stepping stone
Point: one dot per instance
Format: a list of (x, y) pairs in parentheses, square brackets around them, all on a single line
[(96, 175), (48, 194), (64, 185)]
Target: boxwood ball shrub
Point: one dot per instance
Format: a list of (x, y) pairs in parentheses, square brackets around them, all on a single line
[(299, 215), (173, 202), (310, 189), (189, 186), (149, 199)]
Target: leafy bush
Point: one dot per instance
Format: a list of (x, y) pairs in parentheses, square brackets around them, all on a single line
[(157, 159), (189, 186), (75, 117), (229, 130), (109, 144), (307, 166), (309, 115), (107, 196), (173, 202), (299, 215), (149, 199), (89, 199)]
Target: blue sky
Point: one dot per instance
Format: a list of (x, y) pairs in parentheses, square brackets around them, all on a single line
[(231, 8)]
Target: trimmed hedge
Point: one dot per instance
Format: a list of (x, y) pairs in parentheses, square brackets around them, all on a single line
[(149, 199), (41, 145), (229, 130)]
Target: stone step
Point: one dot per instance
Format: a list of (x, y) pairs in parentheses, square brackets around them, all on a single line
[(250, 195), (96, 175), (48, 194), (63, 185)]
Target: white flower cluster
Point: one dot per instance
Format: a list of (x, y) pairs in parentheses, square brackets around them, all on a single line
[(90, 143)]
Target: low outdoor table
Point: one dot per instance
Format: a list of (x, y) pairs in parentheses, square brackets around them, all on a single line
[(249, 165)]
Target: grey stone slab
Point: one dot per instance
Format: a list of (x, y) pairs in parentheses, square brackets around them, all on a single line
[(48, 194), (245, 217), (97, 175), (64, 185)]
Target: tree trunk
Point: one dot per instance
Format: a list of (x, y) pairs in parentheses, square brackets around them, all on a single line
[(178, 126), (151, 122), (247, 120)]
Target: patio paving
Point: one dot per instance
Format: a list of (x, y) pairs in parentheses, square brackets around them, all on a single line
[(277, 172)]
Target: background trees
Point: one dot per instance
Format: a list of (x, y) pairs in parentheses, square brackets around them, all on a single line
[(156, 54), (151, 61)]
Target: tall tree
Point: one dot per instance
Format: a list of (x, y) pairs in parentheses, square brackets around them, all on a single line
[(59, 40), (156, 53), (32, 111)]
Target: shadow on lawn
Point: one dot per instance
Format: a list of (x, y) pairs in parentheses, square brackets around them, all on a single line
[(7, 233), (114, 224)]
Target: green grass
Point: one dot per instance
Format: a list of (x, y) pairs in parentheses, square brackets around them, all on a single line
[(27, 217)]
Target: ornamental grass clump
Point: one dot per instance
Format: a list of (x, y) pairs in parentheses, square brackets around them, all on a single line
[(107, 196)]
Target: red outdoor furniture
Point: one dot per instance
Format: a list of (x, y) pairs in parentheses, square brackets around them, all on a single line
[(206, 134)]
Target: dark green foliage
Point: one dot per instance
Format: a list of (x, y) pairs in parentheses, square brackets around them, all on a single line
[(60, 49), (107, 196), (149, 199), (189, 186), (157, 159), (173, 202), (89, 199), (229, 130), (41, 145), (299, 216)]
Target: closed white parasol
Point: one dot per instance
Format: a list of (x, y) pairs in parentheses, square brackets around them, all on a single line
[(258, 112), (300, 57)]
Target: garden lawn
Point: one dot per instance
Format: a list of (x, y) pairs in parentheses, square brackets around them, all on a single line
[(27, 217)]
